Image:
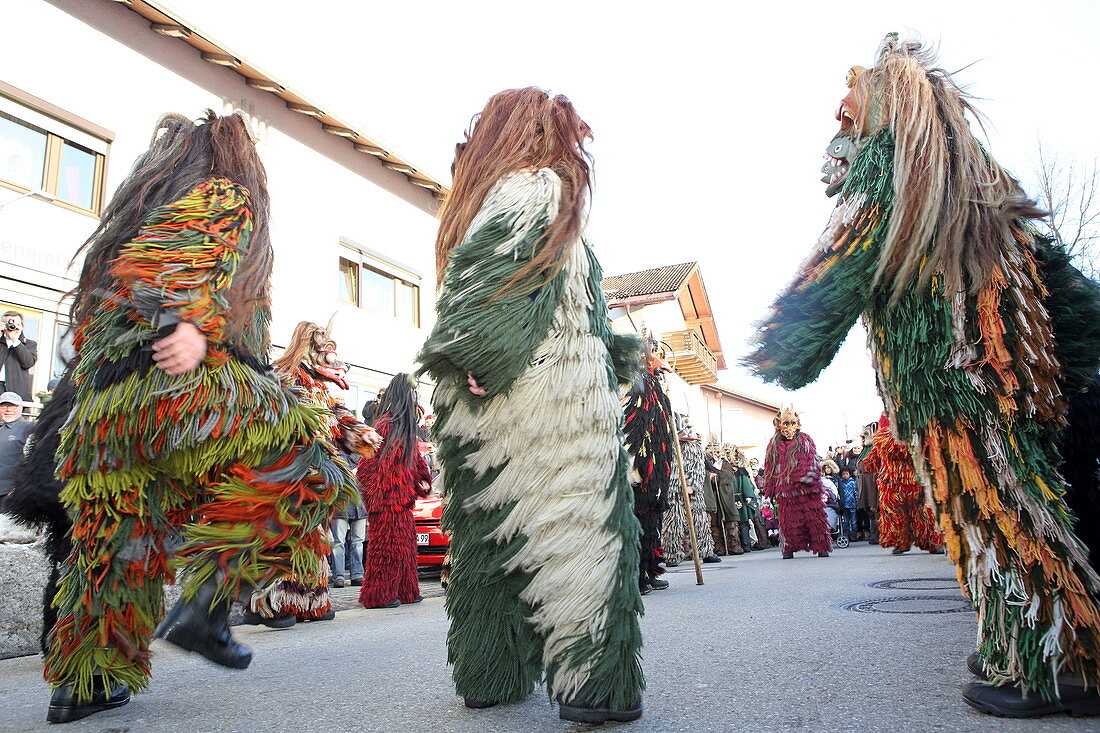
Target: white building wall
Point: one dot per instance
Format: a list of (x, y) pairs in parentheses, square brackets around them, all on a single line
[(321, 190)]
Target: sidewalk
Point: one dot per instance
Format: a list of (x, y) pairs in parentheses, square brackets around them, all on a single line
[(766, 645)]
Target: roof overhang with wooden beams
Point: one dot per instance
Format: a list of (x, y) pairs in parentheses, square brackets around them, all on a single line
[(682, 283), (162, 21)]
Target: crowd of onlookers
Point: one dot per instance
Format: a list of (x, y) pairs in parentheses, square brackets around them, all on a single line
[(851, 496)]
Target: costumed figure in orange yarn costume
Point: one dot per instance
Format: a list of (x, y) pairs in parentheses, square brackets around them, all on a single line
[(310, 364), (904, 519)]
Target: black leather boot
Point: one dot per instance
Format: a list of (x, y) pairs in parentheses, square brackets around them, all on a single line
[(595, 713), (252, 618), (1008, 701), (64, 707), (198, 627), (976, 666), (478, 704)]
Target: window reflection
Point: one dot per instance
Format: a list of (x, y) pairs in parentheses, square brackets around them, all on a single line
[(76, 176), (22, 152), (408, 303), (348, 288), (378, 291), (63, 349)]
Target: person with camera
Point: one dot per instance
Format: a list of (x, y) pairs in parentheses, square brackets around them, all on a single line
[(17, 355)]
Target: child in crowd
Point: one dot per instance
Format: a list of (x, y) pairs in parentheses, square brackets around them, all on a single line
[(830, 493), (849, 498)]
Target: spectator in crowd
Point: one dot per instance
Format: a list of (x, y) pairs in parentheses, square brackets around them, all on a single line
[(13, 436), (349, 530), (867, 484), (847, 457), (17, 355), (829, 479), (370, 409), (849, 499), (427, 447), (771, 522), (47, 394)]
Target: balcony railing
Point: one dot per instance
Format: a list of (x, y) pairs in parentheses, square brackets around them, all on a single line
[(690, 357)]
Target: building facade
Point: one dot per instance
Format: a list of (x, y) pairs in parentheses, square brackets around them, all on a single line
[(671, 305), (353, 223)]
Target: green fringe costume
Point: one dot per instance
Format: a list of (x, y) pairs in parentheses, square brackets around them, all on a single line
[(973, 378), (219, 466), (544, 545)]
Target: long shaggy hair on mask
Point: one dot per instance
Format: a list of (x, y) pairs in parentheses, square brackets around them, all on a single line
[(520, 129)]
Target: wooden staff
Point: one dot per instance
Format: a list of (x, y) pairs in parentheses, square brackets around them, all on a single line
[(687, 502)]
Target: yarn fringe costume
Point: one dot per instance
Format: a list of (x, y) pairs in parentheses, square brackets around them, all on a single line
[(979, 330), (675, 540), (308, 597), (648, 438), (390, 482), (544, 545), (904, 518), (792, 479), (225, 451)]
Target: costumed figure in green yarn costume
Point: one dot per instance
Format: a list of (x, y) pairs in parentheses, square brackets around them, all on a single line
[(544, 544), (981, 332), (180, 442)]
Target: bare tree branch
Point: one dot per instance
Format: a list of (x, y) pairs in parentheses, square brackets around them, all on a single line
[(1071, 193)]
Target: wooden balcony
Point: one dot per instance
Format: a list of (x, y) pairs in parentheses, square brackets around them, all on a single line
[(690, 357)]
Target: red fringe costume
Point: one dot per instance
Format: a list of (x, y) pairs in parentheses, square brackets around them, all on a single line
[(793, 480), (904, 518), (390, 489)]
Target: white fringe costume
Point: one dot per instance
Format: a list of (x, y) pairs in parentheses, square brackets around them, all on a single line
[(544, 546)]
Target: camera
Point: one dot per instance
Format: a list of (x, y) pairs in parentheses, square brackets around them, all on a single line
[(11, 325)]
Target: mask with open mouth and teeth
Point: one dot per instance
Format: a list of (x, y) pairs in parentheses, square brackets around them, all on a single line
[(312, 348), (844, 147), (787, 423), (326, 363)]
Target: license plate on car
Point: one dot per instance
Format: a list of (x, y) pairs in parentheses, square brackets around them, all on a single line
[(421, 538)]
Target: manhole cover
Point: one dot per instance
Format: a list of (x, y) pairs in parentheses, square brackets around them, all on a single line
[(916, 584), (911, 604)]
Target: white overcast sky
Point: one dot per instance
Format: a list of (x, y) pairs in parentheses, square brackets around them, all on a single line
[(710, 117)]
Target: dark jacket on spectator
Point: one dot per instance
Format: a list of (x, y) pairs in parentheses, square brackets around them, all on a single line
[(13, 436), (18, 360)]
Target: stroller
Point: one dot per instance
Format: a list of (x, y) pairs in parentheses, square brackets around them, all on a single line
[(840, 540), (836, 527)]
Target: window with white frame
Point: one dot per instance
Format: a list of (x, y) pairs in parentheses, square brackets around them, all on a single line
[(380, 286)]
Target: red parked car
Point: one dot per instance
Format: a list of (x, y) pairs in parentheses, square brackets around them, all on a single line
[(431, 543)]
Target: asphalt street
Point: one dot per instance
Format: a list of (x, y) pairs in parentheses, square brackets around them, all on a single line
[(765, 645)]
